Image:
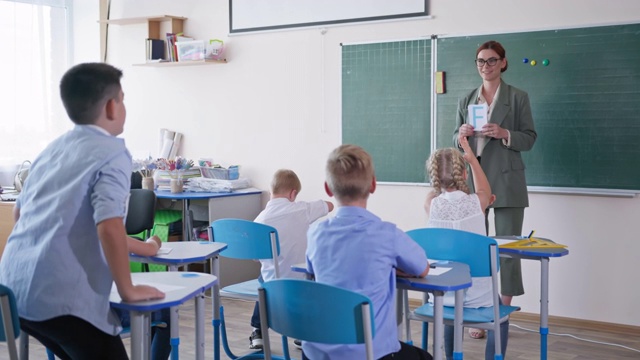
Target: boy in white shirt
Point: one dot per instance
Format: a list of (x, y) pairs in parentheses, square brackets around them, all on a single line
[(292, 219)]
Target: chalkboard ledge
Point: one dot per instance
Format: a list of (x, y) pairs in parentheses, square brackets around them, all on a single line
[(391, 183), (583, 191)]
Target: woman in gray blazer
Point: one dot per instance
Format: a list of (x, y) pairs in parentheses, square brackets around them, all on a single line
[(498, 144)]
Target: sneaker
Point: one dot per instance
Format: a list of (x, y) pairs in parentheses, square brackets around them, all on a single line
[(298, 344), (255, 340)]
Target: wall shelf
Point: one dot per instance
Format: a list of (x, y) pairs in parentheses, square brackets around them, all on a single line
[(176, 24), (183, 63), (172, 24)]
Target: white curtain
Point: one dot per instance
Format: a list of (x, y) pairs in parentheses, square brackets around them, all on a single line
[(33, 57)]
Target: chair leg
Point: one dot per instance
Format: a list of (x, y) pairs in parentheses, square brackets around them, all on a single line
[(225, 342), (425, 335)]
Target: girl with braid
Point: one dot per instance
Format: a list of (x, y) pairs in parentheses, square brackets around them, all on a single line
[(450, 205)]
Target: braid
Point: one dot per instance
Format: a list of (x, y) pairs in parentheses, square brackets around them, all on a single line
[(459, 167), (432, 166), (446, 170)]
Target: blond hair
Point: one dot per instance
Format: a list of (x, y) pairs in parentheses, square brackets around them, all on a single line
[(446, 169), (285, 180), (349, 173)]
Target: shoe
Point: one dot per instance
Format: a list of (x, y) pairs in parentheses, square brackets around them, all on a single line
[(476, 333), (255, 340), (298, 344)]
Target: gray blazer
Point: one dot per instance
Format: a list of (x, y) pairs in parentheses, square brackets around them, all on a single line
[(503, 165)]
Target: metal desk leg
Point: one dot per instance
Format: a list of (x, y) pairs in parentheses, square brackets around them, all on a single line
[(200, 326), (438, 324), (175, 326), (544, 306), (23, 344), (457, 325), (186, 219), (175, 336), (215, 300), (139, 336)]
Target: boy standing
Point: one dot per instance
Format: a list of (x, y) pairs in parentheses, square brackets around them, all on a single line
[(69, 242), (358, 251), (292, 220)]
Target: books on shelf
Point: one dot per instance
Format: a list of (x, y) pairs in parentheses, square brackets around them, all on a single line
[(172, 55), (155, 49)]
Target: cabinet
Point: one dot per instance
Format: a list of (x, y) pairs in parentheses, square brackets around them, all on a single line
[(6, 222), (155, 27)]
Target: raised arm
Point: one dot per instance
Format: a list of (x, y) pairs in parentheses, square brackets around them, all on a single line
[(480, 182)]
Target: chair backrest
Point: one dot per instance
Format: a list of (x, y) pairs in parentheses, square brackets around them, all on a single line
[(141, 213), (457, 245), (246, 239), (316, 312), (10, 322)]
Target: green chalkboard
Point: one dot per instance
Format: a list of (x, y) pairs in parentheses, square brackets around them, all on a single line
[(585, 103), (386, 105)]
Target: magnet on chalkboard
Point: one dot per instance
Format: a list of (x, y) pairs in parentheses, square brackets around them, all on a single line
[(545, 62), (440, 85), (533, 63), (525, 60)]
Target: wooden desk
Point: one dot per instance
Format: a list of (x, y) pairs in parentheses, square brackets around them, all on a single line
[(6, 222)]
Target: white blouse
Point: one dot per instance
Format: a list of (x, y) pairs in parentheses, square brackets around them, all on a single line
[(461, 211)]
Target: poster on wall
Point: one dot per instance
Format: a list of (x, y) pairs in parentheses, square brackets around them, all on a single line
[(260, 15)]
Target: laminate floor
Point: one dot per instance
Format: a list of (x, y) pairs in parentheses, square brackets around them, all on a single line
[(523, 345)]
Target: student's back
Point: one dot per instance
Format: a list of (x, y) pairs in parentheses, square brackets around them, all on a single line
[(358, 251)]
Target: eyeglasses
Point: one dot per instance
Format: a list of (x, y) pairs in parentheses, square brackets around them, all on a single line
[(490, 61)]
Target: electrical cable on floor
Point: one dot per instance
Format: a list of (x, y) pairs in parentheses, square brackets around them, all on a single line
[(577, 338)]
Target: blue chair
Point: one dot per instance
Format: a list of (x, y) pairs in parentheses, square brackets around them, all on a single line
[(245, 240), (481, 254), (315, 312), (10, 322)]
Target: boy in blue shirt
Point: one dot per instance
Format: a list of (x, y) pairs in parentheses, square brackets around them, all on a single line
[(69, 242), (358, 251)]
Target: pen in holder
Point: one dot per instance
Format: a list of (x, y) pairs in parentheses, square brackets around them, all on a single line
[(177, 186)]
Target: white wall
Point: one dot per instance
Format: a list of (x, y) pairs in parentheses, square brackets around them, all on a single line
[(277, 103)]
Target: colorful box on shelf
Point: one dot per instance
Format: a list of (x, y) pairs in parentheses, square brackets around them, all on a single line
[(193, 50), (232, 173)]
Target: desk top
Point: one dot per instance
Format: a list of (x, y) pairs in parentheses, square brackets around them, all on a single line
[(183, 252), (528, 252), (204, 195), (177, 286), (459, 277)]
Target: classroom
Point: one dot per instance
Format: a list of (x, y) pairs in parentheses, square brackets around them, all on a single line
[(277, 103)]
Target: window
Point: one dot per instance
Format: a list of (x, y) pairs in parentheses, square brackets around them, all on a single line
[(35, 55)]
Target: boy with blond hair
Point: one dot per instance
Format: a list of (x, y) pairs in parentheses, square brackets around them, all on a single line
[(358, 251), (291, 218)]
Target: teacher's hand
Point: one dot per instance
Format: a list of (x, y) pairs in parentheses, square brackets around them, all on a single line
[(465, 130), (494, 131)]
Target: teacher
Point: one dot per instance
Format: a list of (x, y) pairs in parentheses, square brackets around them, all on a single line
[(497, 145)]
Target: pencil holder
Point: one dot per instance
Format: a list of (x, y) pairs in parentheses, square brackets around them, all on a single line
[(177, 186), (148, 183)]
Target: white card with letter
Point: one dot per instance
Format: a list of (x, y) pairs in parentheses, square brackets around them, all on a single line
[(478, 116)]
